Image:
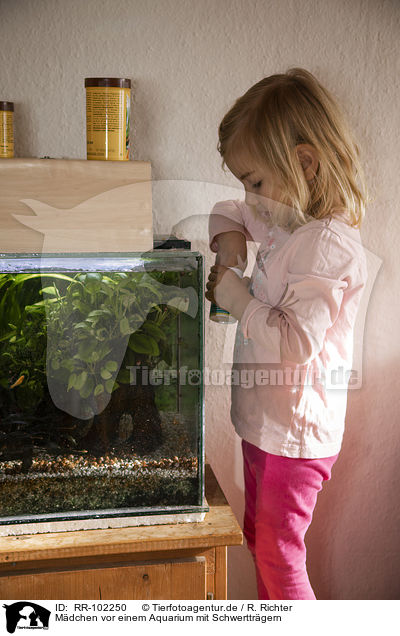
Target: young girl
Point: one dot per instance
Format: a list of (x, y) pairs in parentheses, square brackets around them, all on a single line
[(286, 140)]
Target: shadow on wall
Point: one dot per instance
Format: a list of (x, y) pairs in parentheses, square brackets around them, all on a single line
[(352, 543)]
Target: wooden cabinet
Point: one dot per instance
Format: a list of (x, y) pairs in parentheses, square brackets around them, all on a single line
[(173, 579), (180, 561)]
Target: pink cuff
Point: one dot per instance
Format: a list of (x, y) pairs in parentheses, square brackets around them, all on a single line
[(251, 308)]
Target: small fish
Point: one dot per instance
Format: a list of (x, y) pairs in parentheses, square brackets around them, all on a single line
[(18, 382)]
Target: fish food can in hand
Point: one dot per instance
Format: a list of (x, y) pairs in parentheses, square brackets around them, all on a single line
[(6, 130), (108, 101), (217, 314)]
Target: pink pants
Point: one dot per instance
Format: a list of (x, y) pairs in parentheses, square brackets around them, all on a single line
[(280, 497)]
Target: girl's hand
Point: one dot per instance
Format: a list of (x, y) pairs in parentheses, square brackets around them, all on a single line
[(227, 290)]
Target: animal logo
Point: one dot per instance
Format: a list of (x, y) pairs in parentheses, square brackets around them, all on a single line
[(25, 614), (102, 223)]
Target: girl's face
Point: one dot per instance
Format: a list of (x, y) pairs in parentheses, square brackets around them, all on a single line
[(259, 183)]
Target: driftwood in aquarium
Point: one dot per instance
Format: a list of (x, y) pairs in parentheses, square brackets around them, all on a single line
[(130, 415)]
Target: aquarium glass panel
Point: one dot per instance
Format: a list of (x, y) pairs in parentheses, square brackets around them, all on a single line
[(101, 391)]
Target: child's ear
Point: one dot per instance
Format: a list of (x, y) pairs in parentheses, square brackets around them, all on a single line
[(308, 158)]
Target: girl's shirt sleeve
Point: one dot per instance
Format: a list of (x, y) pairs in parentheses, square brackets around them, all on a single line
[(225, 217), (319, 267)]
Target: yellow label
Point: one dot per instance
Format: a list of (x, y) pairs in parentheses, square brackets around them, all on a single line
[(6, 133), (107, 123)]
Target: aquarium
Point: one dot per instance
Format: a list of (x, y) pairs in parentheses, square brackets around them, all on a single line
[(101, 390)]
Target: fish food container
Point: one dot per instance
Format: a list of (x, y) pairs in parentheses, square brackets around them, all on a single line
[(217, 314), (101, 390), (6, 129), (107, 118)]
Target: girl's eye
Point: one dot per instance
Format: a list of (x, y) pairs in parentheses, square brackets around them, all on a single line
[(257, 185)]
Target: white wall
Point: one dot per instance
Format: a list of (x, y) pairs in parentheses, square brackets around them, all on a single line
[(189, 61)]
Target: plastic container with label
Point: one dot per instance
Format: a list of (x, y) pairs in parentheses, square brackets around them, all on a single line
[(108, 118), (217, 314), (6, 129)]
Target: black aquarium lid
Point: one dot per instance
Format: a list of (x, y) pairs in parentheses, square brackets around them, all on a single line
[(165, 242)]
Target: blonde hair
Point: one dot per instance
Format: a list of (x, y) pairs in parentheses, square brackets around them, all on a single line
[(277, 114)]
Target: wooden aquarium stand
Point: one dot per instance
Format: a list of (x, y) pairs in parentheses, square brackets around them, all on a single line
[(179, 561)]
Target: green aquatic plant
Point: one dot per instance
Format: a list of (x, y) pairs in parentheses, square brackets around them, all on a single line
[(22, 340), (84, 319), (95, 311), (100, 314)]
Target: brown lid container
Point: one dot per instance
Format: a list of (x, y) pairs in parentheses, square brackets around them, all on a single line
[(116, 82), (7, 106)]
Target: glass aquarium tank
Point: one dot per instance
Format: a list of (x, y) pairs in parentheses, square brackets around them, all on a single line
[(101, 390)]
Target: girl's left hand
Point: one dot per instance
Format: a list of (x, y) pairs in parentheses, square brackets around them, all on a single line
[(227, 290)]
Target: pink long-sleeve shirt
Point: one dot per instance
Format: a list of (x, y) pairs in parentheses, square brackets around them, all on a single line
[(294, 342)]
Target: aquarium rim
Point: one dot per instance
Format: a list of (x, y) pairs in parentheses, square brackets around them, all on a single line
[(77, 515), (98, 261), (201, 395), (155, 253)]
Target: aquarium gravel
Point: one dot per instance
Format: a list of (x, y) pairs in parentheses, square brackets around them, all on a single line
[(118, 479)]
